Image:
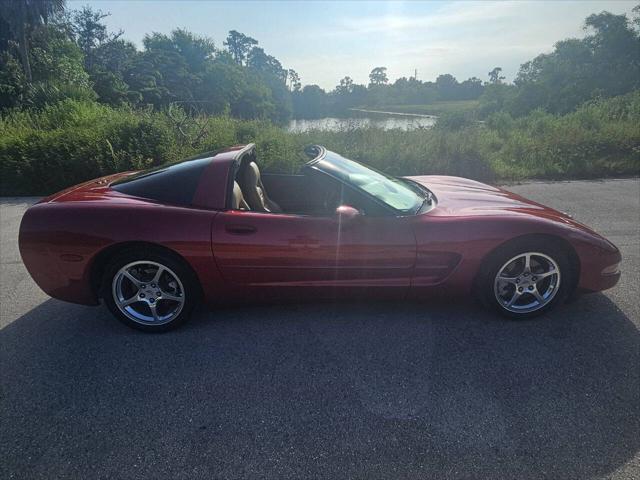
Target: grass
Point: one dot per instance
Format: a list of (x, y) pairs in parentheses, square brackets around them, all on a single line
[(72, 141)]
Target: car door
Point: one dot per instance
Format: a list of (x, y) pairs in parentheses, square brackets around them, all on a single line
[(318, 253)]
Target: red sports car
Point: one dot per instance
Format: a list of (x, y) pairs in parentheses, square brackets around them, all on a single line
[(152, 244)]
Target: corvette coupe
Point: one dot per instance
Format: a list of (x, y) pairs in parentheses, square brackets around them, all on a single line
[(154, 243)]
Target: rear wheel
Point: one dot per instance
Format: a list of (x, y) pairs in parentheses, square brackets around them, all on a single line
[(149, 290), (526, 279)]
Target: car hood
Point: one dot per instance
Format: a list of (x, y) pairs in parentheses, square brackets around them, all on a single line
[(462, 197)]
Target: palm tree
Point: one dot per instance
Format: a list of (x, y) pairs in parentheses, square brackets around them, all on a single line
[(22, 16)]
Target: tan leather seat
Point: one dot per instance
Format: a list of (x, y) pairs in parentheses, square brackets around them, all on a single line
[(253, 189), (237, 200)]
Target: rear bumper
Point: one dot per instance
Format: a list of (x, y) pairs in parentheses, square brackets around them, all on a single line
[(59, 278), (60, 272)]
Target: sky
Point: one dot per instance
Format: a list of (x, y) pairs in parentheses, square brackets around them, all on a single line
[(325, 41)]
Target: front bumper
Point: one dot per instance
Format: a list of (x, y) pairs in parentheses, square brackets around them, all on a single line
[(600, 271)]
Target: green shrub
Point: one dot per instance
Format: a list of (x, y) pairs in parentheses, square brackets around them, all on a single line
[(454, 121), (72, 141)]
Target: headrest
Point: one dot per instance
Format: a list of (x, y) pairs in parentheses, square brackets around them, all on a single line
[(252, 173)]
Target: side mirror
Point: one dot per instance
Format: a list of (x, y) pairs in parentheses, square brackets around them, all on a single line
[(346, 213)]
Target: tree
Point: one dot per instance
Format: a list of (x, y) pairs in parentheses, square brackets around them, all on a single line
[(496, 98), (311, 102), (494, 76), (22, 16), (239, 45), (606, 62), (447, 86), (378, 76), (106, 56), (470, 89), (294, 80), (345, 87), (347, 95), (261, 62), (12, 85), (90, 32)]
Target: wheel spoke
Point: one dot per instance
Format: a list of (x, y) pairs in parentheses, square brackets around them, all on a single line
[(507, 279), (527, 263), (540, 276), (154, 312), (539, 297), (131, 300), (156, 278), (133, 279), (514, 298), (168, 296)]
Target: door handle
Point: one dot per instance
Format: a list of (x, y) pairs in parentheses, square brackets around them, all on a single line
[(237, 229)]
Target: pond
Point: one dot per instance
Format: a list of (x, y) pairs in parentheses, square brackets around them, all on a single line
[(383, 120)]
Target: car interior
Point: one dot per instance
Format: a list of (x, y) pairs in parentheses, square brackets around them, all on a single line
[(308, 193)]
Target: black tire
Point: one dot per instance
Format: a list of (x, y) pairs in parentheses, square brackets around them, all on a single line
[(187, 280), (500, 257)]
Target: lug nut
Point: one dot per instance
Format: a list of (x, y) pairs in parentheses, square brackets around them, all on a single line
[(517, 280), (534, 279), (151, 300), (142, 295), (520, 289), (158, 294), (153, 285), (143, 286), (530, 287)]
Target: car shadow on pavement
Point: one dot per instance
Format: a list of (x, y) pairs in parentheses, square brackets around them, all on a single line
[(322, 390)]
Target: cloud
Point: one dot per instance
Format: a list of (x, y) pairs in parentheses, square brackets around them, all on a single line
[(324, 41), (448, 16), (462, 38)]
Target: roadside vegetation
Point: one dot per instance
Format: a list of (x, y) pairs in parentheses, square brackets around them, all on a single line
[(72, 141), (78, 102)]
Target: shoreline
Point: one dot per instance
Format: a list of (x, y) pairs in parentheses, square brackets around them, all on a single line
[(420, 115)]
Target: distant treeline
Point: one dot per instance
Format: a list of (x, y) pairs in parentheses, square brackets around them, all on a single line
[(605, 63), (48, 54)]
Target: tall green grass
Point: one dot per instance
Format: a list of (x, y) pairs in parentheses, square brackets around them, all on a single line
[(72, 141)]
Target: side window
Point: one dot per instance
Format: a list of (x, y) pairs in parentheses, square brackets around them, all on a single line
[(356, 200), (336, 193)]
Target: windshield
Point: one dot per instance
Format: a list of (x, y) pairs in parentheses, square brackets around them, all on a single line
[(396, 193)]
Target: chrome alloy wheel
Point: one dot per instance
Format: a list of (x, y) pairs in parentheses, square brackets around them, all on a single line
[(148, 293), (527, 282)]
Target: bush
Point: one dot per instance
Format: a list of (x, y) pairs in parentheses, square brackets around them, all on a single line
[(454, 121), (72, 141)]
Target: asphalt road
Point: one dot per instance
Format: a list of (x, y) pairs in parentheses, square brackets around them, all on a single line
[(329, 391)]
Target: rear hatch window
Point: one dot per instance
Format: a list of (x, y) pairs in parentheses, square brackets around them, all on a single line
[(174, 184)]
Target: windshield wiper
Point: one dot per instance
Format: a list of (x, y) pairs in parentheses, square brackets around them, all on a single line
[(421, 190), (428, 199)]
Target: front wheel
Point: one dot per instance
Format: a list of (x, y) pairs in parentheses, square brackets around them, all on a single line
[(527, 279), (148, 290)]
